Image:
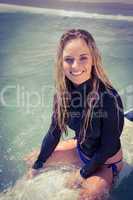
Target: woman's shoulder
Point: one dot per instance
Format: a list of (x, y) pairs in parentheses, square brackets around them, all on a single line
[(109, 94), (109, 90)]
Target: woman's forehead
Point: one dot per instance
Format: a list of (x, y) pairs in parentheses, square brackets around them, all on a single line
[(76, 46)]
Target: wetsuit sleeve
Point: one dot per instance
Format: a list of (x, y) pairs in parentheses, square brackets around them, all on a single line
[(49, 143), (111, 127)]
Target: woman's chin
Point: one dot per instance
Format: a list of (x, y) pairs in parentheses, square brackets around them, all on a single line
[(78, 82)]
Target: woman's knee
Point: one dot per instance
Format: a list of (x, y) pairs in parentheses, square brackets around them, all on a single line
[(94, 188), (95, 183), (93, 195), (98, 185)]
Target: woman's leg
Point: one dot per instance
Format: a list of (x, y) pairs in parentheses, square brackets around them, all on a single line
[(64, 154), (97, 186), (92, 188)]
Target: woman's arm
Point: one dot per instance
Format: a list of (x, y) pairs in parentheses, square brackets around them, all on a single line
[(111, 127), (50, 141)]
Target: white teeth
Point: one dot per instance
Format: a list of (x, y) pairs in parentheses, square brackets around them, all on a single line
[(76, 73)]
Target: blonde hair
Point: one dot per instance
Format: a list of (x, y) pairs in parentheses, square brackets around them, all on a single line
[(61, 82)]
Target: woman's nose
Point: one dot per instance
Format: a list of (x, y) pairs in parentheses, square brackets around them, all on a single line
[(75, 64)]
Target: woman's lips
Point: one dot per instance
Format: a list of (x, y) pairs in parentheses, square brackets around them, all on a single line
[(76, 73)]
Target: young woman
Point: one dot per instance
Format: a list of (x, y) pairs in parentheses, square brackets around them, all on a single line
[(86, 101)]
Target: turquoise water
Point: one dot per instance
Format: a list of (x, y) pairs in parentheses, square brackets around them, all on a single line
[(28, 42)]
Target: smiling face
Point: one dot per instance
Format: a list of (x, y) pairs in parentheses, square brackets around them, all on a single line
[(77, 61)]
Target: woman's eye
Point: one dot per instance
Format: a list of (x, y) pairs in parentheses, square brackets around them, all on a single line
[(83, 58), (69, 60)]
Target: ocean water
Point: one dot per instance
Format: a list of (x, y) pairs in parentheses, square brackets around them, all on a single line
[(28, 43)]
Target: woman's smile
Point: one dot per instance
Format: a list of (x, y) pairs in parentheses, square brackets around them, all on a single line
[(76, 73)]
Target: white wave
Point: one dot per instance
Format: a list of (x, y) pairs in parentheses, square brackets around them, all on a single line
[(48, 185), (63, 13)]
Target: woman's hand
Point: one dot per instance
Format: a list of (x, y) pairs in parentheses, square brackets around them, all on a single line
[(75, 180)]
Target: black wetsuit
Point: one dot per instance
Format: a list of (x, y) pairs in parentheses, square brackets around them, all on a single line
[(103, 135)]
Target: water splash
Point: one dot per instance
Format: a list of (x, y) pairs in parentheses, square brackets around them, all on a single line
[(48, 185)]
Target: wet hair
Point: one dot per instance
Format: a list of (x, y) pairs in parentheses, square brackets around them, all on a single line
[(63, 96)]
